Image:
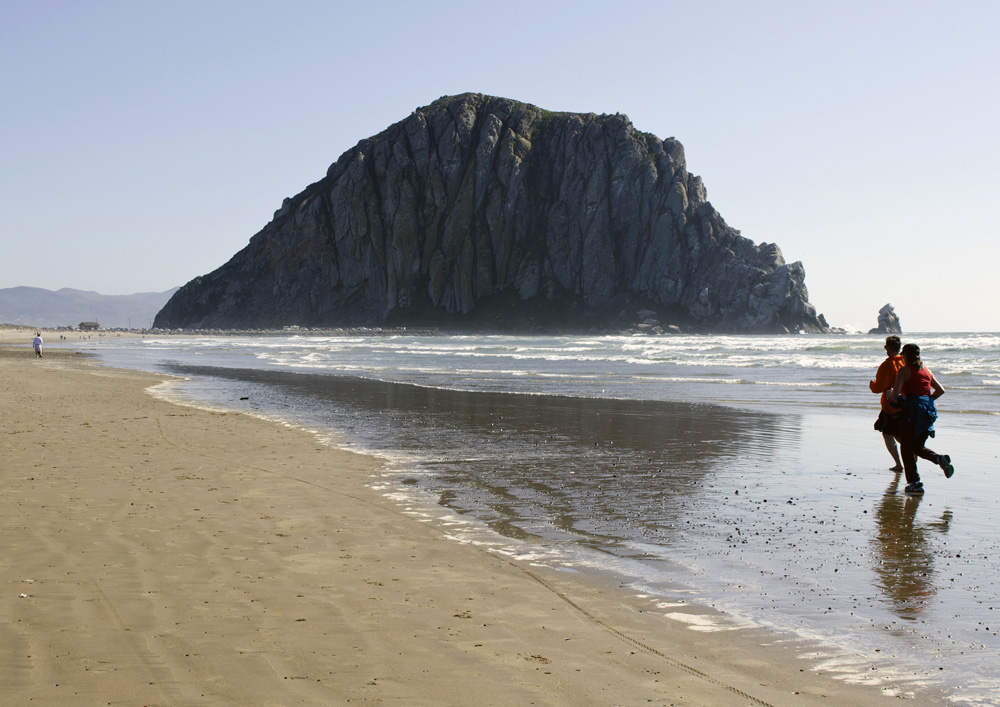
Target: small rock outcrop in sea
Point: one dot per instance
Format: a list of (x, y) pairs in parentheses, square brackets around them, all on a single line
[(485, 212), (888, 322)]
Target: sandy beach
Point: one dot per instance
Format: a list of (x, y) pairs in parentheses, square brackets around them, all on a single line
[(157, 554)]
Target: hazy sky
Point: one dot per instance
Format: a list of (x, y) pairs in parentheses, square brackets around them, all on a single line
[(145, 143)]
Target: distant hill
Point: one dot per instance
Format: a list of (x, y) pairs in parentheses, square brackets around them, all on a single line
[(34, 306)]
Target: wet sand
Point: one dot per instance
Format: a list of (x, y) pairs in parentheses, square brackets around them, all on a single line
[(163, 555)]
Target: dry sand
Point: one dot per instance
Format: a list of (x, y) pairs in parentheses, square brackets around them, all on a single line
[(154, 554)]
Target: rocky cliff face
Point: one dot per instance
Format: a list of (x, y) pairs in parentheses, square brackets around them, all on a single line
[(477, 204), (888, 322)]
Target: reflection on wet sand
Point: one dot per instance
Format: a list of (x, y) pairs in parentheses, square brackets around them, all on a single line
[(904, 559), (536, 465)]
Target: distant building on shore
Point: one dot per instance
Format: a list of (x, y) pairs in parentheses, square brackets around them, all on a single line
[(89, 326)]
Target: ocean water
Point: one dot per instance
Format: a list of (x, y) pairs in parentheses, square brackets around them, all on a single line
[(739, 473)]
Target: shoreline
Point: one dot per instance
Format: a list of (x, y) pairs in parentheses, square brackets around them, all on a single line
[(187, 556)]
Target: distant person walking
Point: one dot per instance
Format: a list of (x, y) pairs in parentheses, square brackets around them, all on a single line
[(890, 415), (919, 389), (37, 343)]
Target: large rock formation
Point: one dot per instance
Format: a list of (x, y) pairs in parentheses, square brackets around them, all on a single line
[(888, 322), (484, 211)]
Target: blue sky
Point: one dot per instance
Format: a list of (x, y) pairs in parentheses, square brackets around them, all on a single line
[(145, 143)]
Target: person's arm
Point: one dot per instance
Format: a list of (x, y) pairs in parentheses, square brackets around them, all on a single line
[(874, 385), (937, 390), (884, 377)]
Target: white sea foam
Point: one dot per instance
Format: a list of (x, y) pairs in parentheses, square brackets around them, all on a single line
[(682, 367)]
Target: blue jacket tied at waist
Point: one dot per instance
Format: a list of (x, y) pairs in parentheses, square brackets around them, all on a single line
[(921, 413)]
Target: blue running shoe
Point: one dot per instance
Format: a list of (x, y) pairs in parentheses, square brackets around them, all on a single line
[(944, 461), (915, 487)]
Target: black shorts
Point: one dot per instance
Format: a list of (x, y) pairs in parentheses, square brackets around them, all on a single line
[(890, 423)]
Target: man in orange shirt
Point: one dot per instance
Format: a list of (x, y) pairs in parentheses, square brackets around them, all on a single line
[(885, 378)]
